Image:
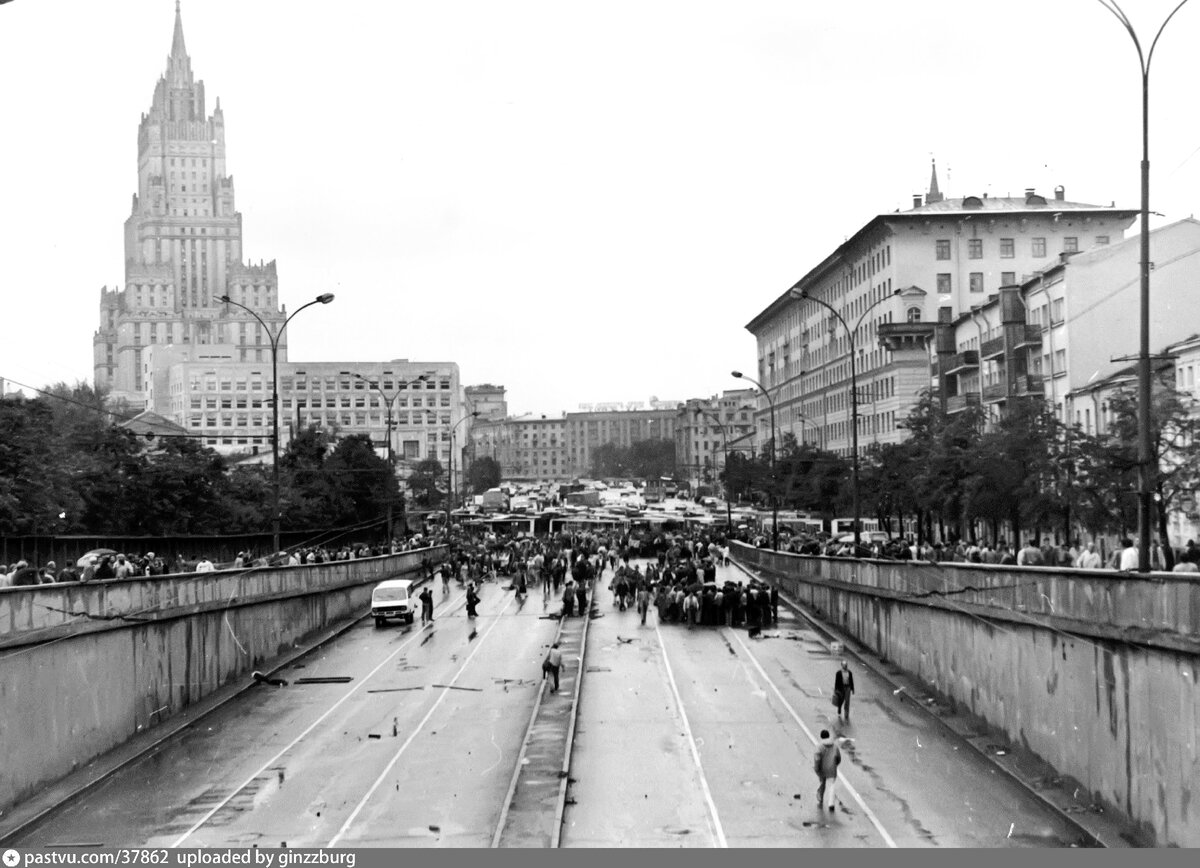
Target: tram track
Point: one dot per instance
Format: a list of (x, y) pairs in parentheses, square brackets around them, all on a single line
[(453, 605), (174, 730)]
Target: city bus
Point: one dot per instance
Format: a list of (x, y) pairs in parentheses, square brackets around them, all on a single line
[(839, 527)]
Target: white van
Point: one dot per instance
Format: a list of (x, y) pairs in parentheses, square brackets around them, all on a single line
[(392, 599)]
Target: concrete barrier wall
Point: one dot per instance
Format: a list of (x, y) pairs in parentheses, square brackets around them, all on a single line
[(1081, 679), (83, 668)]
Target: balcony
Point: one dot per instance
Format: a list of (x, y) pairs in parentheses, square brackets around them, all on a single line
[(962, 361), (1030, 336), (958, 403), (1029, 384), (995, 393), (993, 349)]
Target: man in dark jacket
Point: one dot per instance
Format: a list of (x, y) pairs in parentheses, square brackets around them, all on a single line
[(843, 686)]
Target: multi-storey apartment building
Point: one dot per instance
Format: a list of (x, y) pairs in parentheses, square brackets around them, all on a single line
[(588, 431), (527, 448), (898, 269), (1069, 325), (707, 428)]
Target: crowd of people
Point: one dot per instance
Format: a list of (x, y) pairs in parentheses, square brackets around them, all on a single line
[(675, 574), (118, 565), (1036, 552)]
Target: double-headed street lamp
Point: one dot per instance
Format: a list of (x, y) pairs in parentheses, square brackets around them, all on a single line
[(390, 401), (851, 337), (774, 446), (450, 468), (1147, 470), (323, 298)]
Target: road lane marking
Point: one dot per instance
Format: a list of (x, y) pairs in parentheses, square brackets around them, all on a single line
[(846, 783), (273, 760), (712, 808), (415, 732)]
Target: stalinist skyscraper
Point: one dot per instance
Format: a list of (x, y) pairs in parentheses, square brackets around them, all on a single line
[(183, 244)]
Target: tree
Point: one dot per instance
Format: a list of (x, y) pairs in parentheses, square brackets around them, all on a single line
[(484, 473), (424, 482), (1108, 463), (609, 461)]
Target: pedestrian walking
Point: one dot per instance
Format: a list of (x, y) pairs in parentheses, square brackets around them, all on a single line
[(843, 686), (825, 764), (552, 665), (472, 600), (445, 570)]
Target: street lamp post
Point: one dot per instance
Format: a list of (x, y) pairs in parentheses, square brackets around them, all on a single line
[(390, 401), (323, 298), (725, 459), (851, 337), (450, 466), (774, 446), (1146, 463)]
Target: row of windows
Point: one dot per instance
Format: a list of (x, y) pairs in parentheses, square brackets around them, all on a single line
[(945, 282), (942, 249)]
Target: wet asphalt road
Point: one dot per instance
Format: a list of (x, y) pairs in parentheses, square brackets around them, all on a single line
[(694, 738)]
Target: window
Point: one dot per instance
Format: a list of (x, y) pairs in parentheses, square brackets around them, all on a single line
[(1060, 362), (943, 284), (976, 281), (1070, 244), (1101, 240), (914, 315), (1056, 311), (975, 248), (1007, 248), (1008, 278), (1039, 247), (943, 248)]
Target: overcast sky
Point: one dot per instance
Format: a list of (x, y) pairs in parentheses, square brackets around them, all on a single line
[(584, 202)]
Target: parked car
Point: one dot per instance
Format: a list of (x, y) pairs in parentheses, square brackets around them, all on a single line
[(392, 599)]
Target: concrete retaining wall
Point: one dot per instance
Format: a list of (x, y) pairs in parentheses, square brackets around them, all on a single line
[(83, 668), (1096, 674)]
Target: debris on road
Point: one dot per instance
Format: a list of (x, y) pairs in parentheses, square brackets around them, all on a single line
[(456, 687), (260, 678), (329, 679), (395, 689), (374, 735)]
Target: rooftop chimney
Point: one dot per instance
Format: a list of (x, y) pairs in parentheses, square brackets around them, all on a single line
[(1029, 191), (1060, 193), (916, 200)]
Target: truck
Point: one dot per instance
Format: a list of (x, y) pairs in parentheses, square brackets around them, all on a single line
[(494, 499), (591, 497)]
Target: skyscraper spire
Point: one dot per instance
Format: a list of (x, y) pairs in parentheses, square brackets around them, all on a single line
[(178, 49), (934, 194)]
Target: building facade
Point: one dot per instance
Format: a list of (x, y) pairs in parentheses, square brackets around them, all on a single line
[(227, 403), (590, 430), (183, 244), (486, 400), (706, 429), (169, 343), (898, 270)]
